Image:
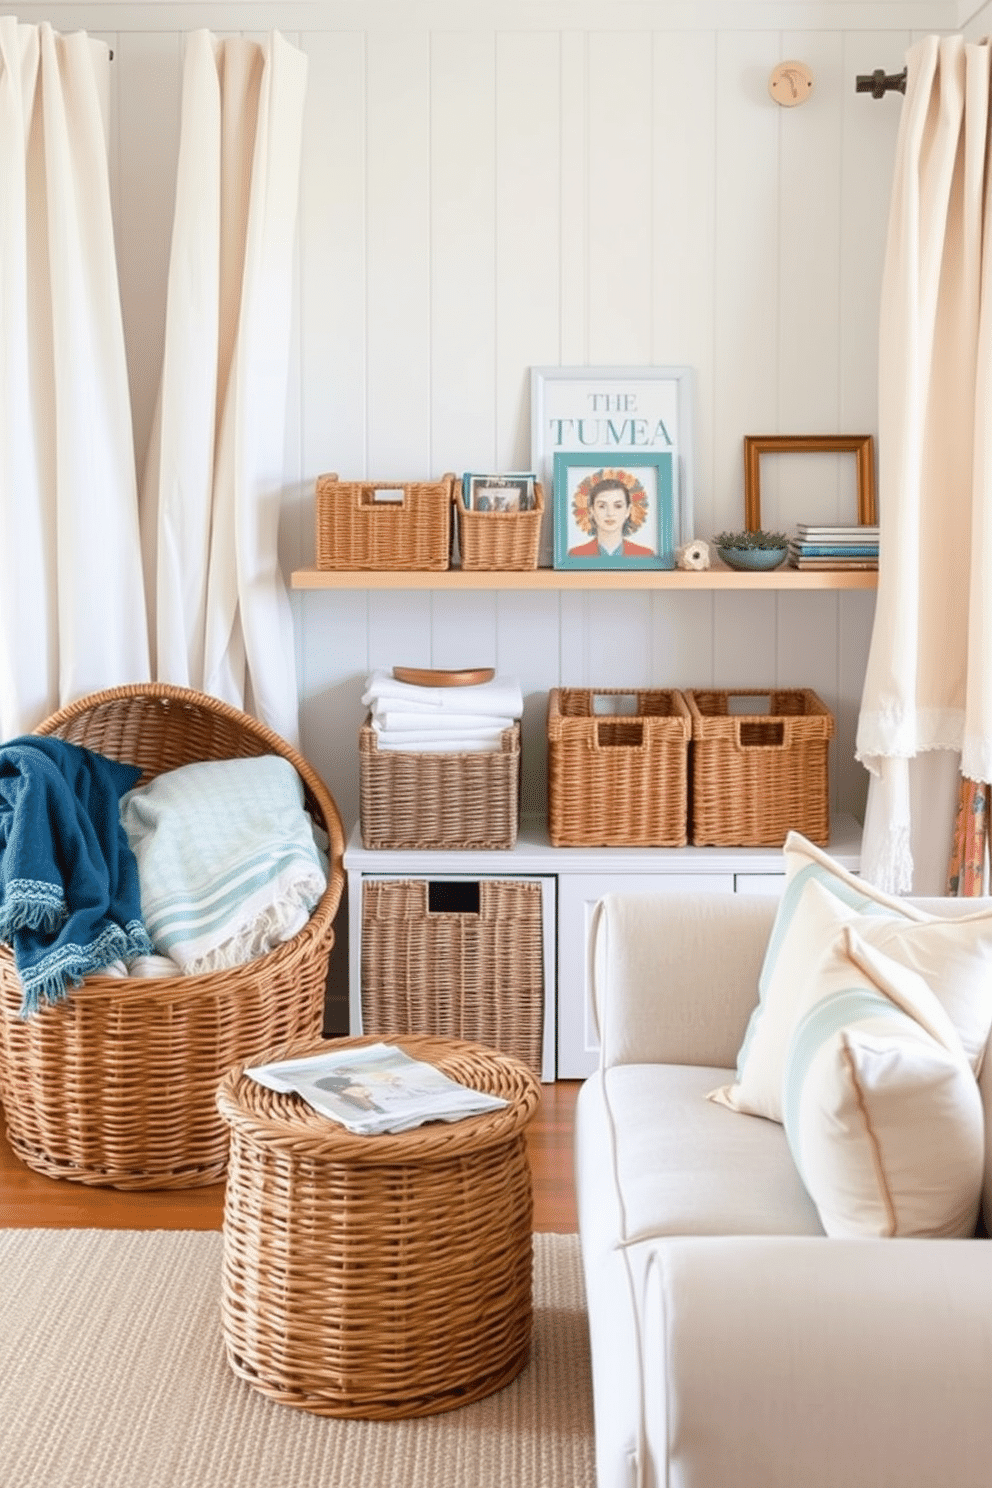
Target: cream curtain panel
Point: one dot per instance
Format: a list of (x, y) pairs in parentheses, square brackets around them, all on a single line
[(72, 603), (927, 703), (219, 614)]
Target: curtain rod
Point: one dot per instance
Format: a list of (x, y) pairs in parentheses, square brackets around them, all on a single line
[(880, 82)]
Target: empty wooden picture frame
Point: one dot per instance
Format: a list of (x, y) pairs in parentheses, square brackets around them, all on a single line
[(859, 445)]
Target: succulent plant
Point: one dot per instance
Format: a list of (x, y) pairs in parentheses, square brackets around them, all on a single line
[(759, 539)]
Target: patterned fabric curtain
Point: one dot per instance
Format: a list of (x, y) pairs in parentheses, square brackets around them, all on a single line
[(967, 874)]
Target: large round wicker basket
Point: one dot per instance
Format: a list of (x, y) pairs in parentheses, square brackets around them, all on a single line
[(116, 1085)]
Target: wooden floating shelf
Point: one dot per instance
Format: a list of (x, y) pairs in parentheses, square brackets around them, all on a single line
[(541, 579)]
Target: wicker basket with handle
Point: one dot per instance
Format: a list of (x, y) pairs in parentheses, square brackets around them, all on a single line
[(499, 540), (383, 524), (474, 972), (116, 1085), (617, 779), (426, 800), (756, 776)]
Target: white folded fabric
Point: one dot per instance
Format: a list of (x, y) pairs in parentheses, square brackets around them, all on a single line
[(502, 696), (427, 734), (477, 744), (402, 705), (465, 723), (153, 966), (140, 966), (112, 969)]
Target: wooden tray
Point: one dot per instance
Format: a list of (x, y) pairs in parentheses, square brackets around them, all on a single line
[(428, 677)]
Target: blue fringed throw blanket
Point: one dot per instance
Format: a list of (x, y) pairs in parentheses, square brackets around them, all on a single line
[(69, 896)]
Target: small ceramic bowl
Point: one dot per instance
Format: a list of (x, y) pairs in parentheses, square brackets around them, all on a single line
[(753, 560)]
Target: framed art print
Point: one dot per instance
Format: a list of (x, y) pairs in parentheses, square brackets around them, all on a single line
[(618, 413), (614, 513), (861, 446)]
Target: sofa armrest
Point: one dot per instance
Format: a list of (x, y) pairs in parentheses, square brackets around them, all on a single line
[(785, 1361), (675, 976)]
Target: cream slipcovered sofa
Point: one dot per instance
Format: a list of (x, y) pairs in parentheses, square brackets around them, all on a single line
[(749, 1327)]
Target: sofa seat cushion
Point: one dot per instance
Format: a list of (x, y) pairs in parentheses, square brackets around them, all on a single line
[(682, 1165)]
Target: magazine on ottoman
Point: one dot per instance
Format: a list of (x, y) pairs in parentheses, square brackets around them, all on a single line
[(375, 1088)]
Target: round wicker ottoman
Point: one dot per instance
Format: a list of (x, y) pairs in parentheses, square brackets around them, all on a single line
[(379, 1276)]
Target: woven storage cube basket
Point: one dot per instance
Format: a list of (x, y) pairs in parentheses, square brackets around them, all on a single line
[(499, 539), (757, 776), (461, 973), (617, 779), (354, 530), (410, 800), (116, 1085), (387, 1276)]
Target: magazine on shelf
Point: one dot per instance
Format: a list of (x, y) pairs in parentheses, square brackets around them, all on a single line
[(375, 1088), (834, 565), (839, 535), (802, 552), (834, 550), (825, 547)]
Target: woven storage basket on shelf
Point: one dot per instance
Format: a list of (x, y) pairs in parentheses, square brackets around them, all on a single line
[(387, 1276), (116, 1085), (495, 540), (756, 776), (354, 530), (617, 779), (410, 800), (474, 973)]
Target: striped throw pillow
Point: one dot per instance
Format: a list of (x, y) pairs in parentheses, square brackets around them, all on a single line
[(953, 956), (880, 1106)]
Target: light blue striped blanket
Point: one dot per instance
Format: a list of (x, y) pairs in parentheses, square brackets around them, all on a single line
[(227, 860)]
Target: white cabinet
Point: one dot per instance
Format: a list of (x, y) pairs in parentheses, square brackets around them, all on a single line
[(578, 893), (760, 883), (573, 879)]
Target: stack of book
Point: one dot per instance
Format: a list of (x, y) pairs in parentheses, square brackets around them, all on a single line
[(828, 546)]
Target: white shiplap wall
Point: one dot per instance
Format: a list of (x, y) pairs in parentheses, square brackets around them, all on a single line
[(490, 187)]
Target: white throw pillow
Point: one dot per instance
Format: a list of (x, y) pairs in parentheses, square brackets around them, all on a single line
[(954, 956), (880, 1106), (985, 1091)]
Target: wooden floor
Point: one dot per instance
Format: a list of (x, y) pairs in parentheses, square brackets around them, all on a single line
[(27, 1200)]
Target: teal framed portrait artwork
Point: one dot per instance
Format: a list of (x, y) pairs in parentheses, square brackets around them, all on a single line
[(614, 513)]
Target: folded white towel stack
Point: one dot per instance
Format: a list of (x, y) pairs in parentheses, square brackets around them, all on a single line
[(469, 719)]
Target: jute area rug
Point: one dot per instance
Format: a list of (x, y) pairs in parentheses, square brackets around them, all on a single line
[(113, 1375)]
